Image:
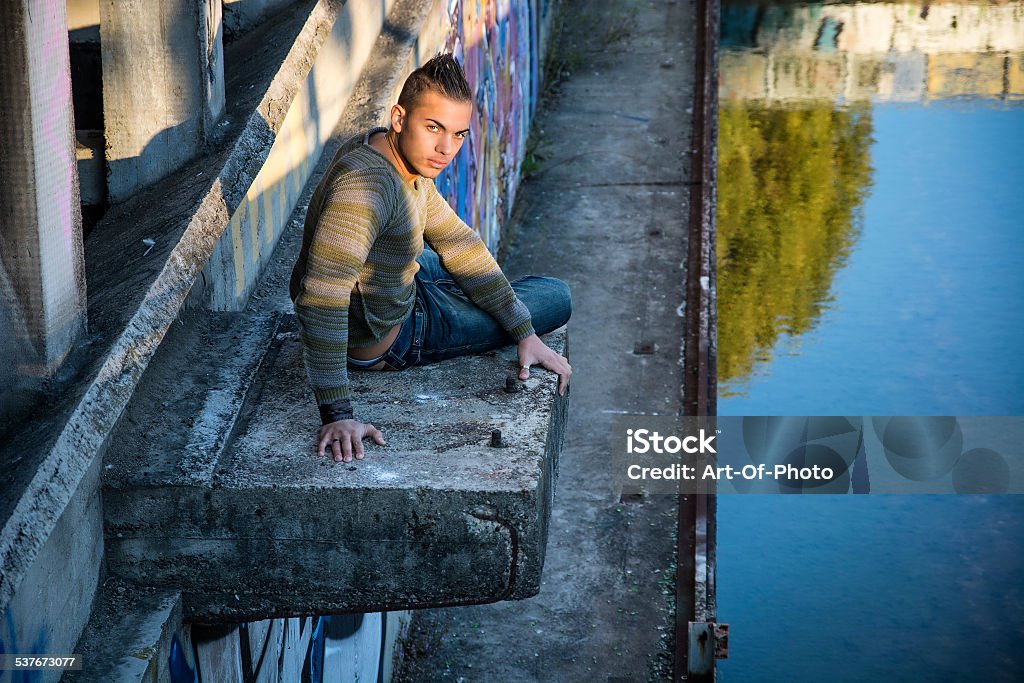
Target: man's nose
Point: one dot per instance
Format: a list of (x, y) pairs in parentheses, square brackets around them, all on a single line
[(444, 145)]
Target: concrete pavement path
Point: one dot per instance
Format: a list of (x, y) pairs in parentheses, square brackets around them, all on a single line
[(604, 208)]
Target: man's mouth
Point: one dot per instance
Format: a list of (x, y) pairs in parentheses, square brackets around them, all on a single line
[(437, 164)]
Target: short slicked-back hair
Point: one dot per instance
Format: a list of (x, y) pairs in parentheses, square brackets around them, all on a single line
[(442, 74)]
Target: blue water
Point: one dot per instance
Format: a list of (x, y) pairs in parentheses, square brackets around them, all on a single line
[(865, 588), (928, 315), (926, 319)]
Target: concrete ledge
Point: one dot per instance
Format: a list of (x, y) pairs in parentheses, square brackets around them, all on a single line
[(262, 527), (133, 635)]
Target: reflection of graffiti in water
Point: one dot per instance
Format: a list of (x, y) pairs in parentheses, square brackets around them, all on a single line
[(790, 184), (872, 51)]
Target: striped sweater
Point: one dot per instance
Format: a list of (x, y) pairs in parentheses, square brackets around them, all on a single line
[(354, 278)]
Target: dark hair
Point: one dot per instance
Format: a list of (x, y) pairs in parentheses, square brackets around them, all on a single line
[(442, 74)]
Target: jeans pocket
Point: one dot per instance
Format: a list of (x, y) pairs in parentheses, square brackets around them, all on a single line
[(405, 349)]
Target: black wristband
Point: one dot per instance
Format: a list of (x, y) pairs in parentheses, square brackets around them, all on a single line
[(338, 410)]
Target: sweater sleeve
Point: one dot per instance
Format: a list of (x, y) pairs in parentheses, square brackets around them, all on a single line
[(353, 214), (466, 257)]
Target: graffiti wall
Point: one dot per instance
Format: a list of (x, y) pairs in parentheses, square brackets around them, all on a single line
[(350, 647), (499, 43)]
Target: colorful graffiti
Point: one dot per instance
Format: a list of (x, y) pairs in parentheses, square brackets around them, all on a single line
[(497, 43), (324, 649)]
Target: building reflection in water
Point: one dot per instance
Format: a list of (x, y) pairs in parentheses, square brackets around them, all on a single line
[(798, 84)]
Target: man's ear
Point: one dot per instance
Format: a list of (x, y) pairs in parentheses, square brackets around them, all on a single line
[(397, 117)]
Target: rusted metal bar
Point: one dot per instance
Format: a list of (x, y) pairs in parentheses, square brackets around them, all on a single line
[(695, 631)]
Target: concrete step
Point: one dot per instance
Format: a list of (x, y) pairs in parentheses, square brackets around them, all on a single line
[(213, 487), (134, 635)]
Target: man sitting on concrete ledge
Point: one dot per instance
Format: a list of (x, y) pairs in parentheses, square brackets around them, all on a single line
[(370, 294)]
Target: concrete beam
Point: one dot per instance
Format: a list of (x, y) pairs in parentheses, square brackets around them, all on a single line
[(53, 602), (42, 282), (256, 525), (163, 86)]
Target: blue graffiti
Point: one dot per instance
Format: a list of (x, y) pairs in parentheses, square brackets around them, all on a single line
[(178, 665), (12, 645), (313, 672)]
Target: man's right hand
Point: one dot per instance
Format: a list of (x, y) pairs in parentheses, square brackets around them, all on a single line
[(345, 439)]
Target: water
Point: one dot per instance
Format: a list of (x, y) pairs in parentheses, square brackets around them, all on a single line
[(871, 223)]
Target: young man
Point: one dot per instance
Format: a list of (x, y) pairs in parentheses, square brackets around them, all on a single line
[(370, 294)]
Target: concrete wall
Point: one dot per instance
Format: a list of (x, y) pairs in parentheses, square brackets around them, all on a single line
[(53, 603), (84, 18), (163, 86)]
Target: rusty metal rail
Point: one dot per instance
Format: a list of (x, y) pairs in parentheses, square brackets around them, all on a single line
[(697, 636)]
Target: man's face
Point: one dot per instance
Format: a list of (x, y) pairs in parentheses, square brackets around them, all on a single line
[(431, 134)]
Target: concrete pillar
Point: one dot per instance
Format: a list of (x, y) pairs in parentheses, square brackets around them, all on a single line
[(163, 86), (42, 279)]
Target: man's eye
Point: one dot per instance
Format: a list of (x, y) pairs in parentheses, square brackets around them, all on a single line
[(431, 127), (462, 136)]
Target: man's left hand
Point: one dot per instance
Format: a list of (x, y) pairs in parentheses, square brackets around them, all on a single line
[(532, 351)]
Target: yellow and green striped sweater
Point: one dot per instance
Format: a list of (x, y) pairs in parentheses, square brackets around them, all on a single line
[(354, 278)]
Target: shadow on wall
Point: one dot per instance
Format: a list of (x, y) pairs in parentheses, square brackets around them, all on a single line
[(19, 387), (260, 212), (139, 153), (241, 16)]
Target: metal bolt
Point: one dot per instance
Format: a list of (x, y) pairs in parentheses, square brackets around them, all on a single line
[(644, 348), (496, 439), (511, 384)]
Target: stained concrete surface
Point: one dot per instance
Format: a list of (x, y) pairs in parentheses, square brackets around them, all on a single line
[(604, 209), (211, 486)]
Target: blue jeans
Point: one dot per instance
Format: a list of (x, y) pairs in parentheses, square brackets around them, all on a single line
[(445, 323)]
